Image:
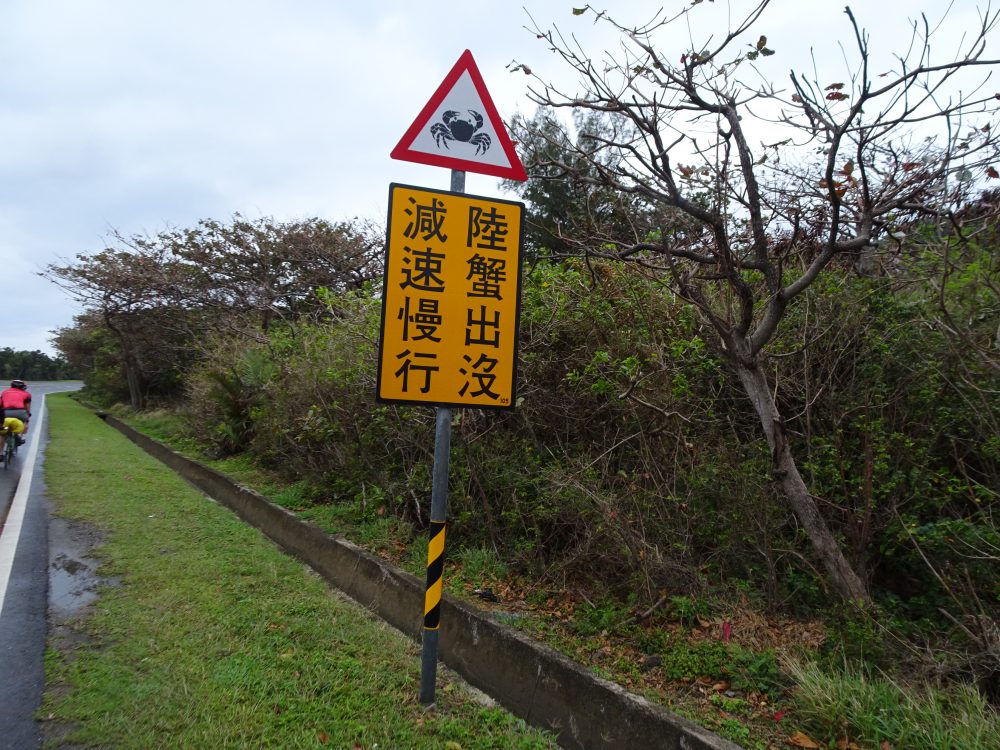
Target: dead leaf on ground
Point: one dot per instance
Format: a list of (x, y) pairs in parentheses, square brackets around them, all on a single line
[(800, 739)]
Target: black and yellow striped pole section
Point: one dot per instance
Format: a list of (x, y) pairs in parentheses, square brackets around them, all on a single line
[(435, 568), (435, 546), (435, 556)]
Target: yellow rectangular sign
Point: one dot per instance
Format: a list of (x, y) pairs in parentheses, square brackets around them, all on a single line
[(450, 299)]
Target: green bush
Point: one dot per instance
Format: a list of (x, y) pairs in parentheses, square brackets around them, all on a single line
[(603, 617), (688, 660)]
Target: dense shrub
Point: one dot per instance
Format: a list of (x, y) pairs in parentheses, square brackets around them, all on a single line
[(631, 466), (607, 468), (628, 458)]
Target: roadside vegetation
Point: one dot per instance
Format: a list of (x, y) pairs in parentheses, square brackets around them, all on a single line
[(666, 565), (754, 468), (33, 365), (207, 636)]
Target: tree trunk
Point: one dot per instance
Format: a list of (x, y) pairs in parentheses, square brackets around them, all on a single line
[(133, 373), (786, 472), (132, 376)]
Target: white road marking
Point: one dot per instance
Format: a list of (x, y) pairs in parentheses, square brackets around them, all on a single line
[(12, 529)]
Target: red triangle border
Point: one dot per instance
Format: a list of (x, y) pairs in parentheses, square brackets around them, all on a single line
[(403, 152)]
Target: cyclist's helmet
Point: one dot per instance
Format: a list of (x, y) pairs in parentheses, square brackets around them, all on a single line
[(17, 384)]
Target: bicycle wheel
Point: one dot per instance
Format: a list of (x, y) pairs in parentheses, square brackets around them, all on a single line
[(8, 453)]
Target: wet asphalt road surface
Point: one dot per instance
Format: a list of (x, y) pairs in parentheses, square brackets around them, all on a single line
[(35, 565)]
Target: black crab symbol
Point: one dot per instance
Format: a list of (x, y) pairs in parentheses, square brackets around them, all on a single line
[(455, 126)]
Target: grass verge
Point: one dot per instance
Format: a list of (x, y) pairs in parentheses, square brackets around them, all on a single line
[(213, 638), (723, 665)]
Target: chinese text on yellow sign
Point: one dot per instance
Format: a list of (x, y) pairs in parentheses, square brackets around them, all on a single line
[(451, 299)]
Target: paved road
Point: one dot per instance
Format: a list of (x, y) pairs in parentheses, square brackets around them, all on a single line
[(24, 581)]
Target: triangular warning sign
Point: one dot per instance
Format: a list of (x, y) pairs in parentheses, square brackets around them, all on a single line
[(459, 128)]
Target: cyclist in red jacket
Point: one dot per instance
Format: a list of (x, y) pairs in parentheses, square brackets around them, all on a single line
[(16, 402)]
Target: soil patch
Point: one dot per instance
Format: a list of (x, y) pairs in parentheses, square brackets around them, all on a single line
[(74, 584)]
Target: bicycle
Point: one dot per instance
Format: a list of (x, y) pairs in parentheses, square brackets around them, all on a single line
[(9, 447)]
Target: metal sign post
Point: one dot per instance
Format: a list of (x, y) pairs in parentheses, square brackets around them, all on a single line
[(435, 556), (435, 544)]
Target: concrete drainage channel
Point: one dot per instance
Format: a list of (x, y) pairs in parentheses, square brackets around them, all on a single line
[(531, 680)]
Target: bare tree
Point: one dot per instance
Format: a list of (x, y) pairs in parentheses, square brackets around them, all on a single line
[(120, 285), (774, 184)]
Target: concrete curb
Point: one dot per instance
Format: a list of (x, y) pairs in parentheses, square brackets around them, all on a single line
[(531, 680)]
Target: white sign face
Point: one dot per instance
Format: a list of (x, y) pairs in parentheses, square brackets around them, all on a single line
[(460, 128)]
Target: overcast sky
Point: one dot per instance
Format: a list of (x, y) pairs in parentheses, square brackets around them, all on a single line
[(139, 115)]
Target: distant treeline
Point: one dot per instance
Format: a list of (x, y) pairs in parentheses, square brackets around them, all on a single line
[(34, 365)]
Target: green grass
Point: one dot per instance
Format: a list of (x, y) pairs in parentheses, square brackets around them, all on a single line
[(215, 639), (829, 704), (871, 709)]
